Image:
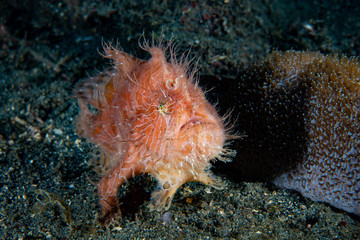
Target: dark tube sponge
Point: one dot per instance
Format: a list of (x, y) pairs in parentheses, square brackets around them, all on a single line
[(300, 113)]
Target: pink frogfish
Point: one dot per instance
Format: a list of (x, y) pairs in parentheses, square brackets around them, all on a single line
[(150, 117)]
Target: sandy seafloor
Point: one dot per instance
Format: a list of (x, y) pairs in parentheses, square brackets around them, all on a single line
[(47, 178)]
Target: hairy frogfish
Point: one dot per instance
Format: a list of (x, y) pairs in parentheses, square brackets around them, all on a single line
[(150, 117)]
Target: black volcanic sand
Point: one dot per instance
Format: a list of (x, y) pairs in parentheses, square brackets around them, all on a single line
[(48, 177)]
